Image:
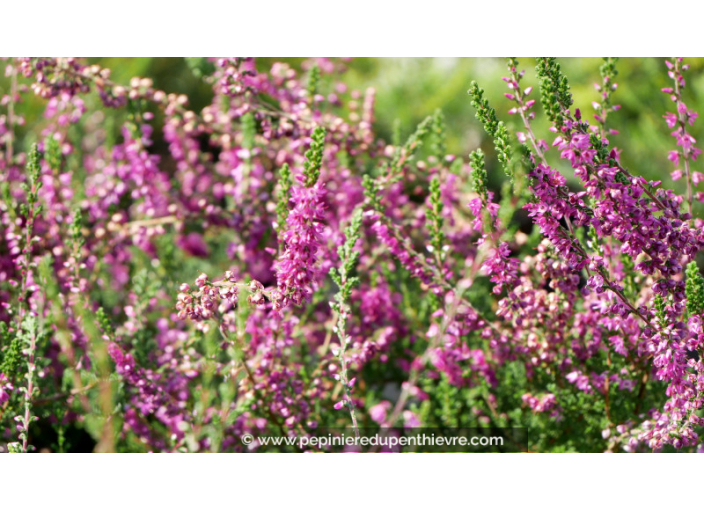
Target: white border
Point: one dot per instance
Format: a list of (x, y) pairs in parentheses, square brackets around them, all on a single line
[(360, 27), (350, 481)]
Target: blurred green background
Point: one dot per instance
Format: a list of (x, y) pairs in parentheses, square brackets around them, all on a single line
[(408, 89)]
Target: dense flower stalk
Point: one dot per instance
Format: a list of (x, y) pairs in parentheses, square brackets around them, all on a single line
[(297, 268)]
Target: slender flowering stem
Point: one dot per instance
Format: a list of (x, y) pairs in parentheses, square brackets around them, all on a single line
[(524, 105), (29, 331), (344, 366), (682, 119), (606, 88), (27, 323), (30, 210), (675, 70), (345, 282)]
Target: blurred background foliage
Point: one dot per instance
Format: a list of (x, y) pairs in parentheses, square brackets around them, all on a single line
[(409, 89)]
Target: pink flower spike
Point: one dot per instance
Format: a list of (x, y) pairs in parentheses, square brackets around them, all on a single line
[(339, 405)]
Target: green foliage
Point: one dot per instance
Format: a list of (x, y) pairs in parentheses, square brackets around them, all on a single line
[(77, 240), (168, 257), (555, 94), (503, 150), (104, 322), (396, 134), (608, 68), (14, 448), (53, 153), (494, 128), (438, 136), (694, 289), (145, 288), (660, 312), (283, 196), (348, 261), (11, 355), (200, 66), (29, 331), (249, 130), (527, 159), (313, 81), (593, 242), (435, 219), (479, 176), (602, 151), (371, 192), (629, 288), (32, 186), (314, 157), (414, 142), (6, 202), (485, 113)]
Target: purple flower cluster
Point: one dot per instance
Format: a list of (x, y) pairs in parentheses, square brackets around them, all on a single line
[(297, 268)]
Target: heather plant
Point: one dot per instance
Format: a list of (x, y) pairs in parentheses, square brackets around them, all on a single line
[(176, 278)]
